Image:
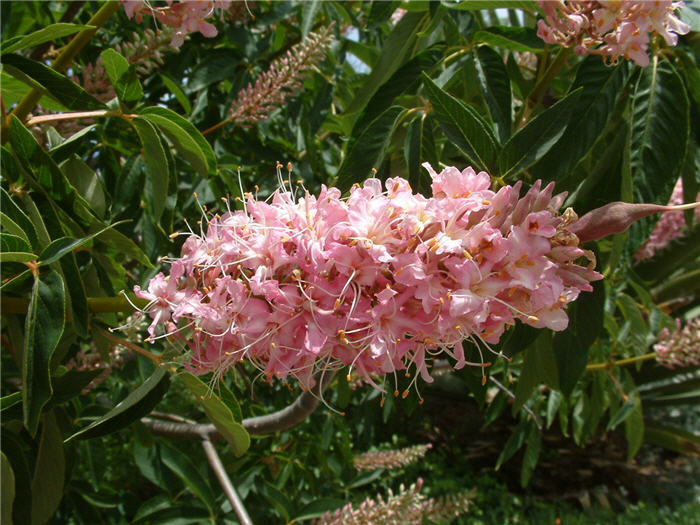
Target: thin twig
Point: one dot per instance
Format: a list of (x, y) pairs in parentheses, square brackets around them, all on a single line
[(225, 481), (512, 396)]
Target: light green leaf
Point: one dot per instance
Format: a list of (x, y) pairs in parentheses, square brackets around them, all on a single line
[(43, 329), (157, 168), (473, 5), (13, 90), (123, 76), (47, 34), (177, 91), (521, 39), (634, 429), (87, 183)]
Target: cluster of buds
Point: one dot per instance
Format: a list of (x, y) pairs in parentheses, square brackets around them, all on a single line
[(383, 280), (611, 28), (390, 459), (283, 79), (84, 361), (671, 226), (185, 17), (407, 507), (681, 347)]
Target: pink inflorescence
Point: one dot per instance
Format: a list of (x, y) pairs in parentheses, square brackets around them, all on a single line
[(381, 280), (671, 226), (611, 28), (681, 347), (186, 16)]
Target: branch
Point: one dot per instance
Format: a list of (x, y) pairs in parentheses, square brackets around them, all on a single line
[(288, 417), (225, 481)]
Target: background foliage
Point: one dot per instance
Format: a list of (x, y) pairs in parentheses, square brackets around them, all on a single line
[(86, 215)]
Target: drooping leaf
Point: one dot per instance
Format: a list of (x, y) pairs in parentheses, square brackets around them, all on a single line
[(46, 34), (464, 127), (673, 438), (532, 141), (185, 137), (218, 413), (180, 96), (420, 148), (50, 83), (123, 77), (634, 428), (134, 406), (495, 86), (43, 328), (49, 473), (521, 39), (157, 167), (515, 442), (183, 467), (369, 149)]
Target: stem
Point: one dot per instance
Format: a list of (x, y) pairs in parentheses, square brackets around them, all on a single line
[(543, 83), (76, 115), (131, 346), (18, 305), (65, 58), (622, 362), (216, 126), (225, 481), (288, 417)]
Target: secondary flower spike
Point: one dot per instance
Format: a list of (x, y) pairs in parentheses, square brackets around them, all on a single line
[(383, 280)]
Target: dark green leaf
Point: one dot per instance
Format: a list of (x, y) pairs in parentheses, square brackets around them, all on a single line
[(181, 465), (157, 167), (7, 486), (672, 438), (318, 507), (43, 329), (87, 183), (177, 91), (531, 142), (532, 454), (123, 76), (369, 149), (175, 515), (539, 366), (660, 131), (19, 257), (634, 429), (50, 83), (230, 401), (10, 209), (49, 474), (65, 245), (10, 400), (72, 383), (622, 413), (464, 127), (515, 442), (398, 46), (521, 39), (571, 345), (218, 413), (13, 450), (495, 86), (185, 137), (600, 86), (308, 16), (47, 34), (137, 404), (13, 243)]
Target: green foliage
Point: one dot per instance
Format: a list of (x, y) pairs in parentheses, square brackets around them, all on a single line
[(89, 203)]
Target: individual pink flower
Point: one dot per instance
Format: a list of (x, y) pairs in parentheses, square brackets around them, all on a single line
[(380, 281)]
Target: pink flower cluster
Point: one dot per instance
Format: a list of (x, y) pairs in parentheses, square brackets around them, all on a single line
[(186, 16), (681, 347), (671, 226), (382, 280), (611, 28)]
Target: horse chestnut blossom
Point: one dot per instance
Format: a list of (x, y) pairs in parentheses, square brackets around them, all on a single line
[(611, 28), (383, 280)]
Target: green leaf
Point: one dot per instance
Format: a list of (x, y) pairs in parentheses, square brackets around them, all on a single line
[(495, 86), (157, 168), (464, 127), (65, 245), (218, 413), (13, 228), (600, 85), (521, 39), (638, 335), (72, 144), (404, 80), (13, 243), (622, 413), (87, 183), (515, 442), (634, 429), (474, 5), (50, 83), (532, 454), (181, 465), (571, 345), (43, 329), (175, 515), (137, 404), (7, 486), (396, 48), (10, 400), (673, 438), (660, 132), (539, 366), (180, 96), (318, 507), (49, 474), (14, 90), (308, 16), (230, 401), (369, 149), (419, 148), (123, 77), (14, 449), (20, 257), (47, 34), (532, 141)]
